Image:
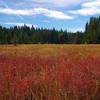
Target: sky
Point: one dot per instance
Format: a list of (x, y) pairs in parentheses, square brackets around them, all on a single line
[(70, 15)]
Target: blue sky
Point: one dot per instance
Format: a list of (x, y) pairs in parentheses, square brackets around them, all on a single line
[(70, 15)]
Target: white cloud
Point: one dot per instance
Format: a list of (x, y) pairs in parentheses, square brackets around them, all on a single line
[(7, 7), (15, 11), (35, 11), (20, 24), (87, 11), (52, 13), (88, 8), (58, 2), (92, 4)]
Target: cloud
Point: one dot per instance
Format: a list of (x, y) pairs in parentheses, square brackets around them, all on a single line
[(58, 2), (87, 11), (88, 8), (7, 7), (15, 11), (52, 13), (36, 11), (20, 24), (92, 4)]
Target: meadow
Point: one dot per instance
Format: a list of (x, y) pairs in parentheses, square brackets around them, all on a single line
[(50, 72)]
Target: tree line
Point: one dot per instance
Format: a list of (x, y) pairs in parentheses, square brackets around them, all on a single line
[(31, 35)]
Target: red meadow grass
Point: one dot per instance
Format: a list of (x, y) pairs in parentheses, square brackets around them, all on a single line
[(62, 77)]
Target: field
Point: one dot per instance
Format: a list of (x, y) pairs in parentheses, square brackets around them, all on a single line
[(50, 72)]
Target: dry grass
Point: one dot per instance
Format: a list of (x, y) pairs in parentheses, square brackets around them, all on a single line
[(51, 50)]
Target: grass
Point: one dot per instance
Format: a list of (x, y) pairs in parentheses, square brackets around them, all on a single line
[(50, 72), (50, 50)]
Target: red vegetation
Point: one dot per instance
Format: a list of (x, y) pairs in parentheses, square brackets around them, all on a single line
[(47, 78)]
